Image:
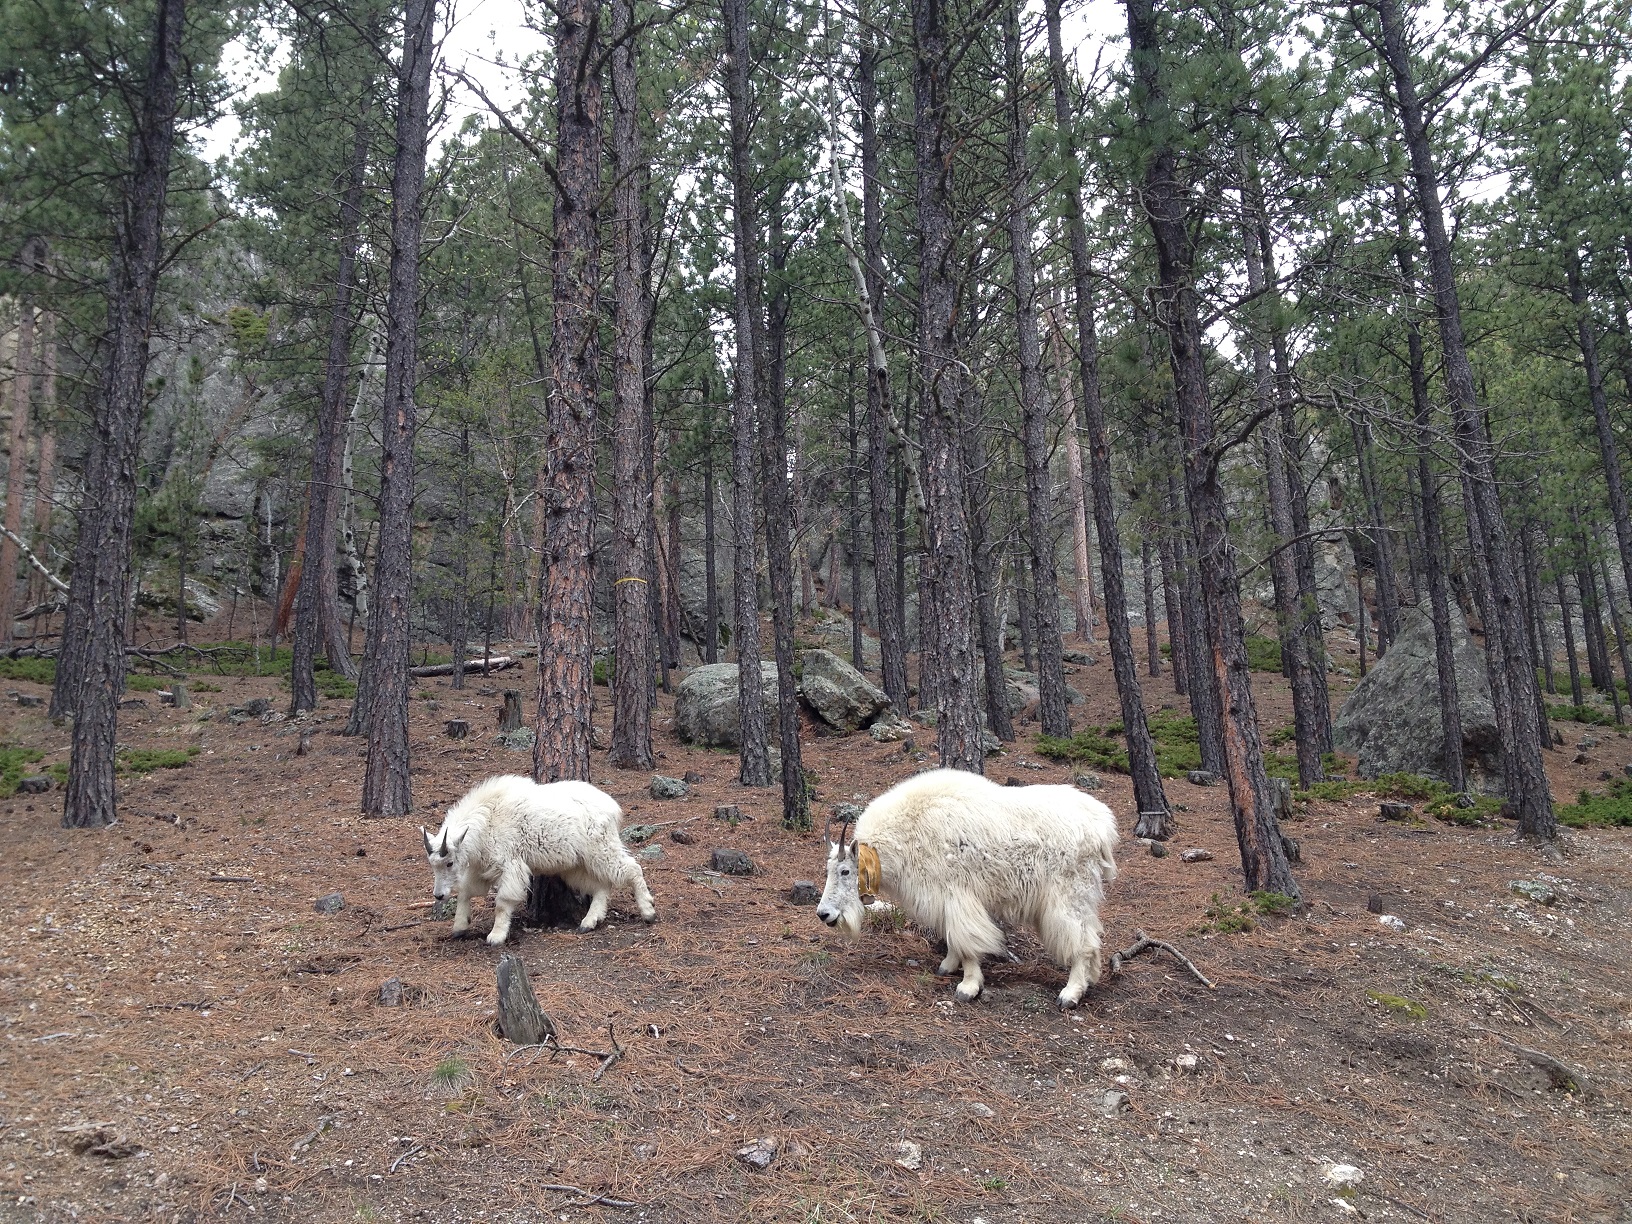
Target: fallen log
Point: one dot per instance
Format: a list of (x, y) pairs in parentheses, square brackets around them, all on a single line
[(471, 665)]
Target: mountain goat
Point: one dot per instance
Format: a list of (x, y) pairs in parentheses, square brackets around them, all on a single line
[(955, 851), (509, 829)]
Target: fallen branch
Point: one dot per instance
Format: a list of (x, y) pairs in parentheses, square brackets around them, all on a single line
[(28, 555), (1143, 943), (221, 879), (589, 1200), (470, 665), (607, 1057), (1561, 1073), (410, 1152)]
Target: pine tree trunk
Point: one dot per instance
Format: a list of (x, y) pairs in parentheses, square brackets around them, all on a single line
[(1205, 707), (711, 586), (1034, 406), (887, 559), (45, 469), (1149, 796), (1082, 586), (91, 679), (1172, 605), (315, 601), (1026, 611), (852, 472), (459, 638), (22, 403), (386, 788), (982, 556), (1388, 606), (956, 679), (754, 756), (1525, 776), (1538, 612), (1263, 857), (778, 524), (1569, 639), (632, 628)]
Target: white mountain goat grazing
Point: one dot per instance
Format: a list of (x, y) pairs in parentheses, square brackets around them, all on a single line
[(509, 829), (956, 851)]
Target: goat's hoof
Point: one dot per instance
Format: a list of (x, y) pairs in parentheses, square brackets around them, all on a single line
[(464, 934), (649, 919), (968, 996), (1067, 1002)]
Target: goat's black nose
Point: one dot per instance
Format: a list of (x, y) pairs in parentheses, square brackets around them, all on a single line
[(830, 919)]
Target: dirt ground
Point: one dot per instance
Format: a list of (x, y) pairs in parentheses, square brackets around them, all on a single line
[(186, 1038)]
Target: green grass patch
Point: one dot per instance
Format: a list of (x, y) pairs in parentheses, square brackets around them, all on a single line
[(1439, 801), (1263, 653), (329, 684), (1178, 747), (146, 760), (1581, 714), (1398, 1005), (14, 763), (35, 671), (147, 684), (1611, 808)]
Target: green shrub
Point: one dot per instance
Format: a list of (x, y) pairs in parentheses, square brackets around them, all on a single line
[(1609, 809), (146, 683), (146, 760), (1580, 714), (35, 671), (14, 763), (1178, 747), (1439, 800), (1263, 653)]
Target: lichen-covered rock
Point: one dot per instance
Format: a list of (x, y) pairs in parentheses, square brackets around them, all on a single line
[(706, 710), (1022, 688), (840, 695), (1391, 721), (668, 788), (890, 728)]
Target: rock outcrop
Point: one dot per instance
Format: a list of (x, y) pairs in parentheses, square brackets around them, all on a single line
[(839, 695), (705, 705)]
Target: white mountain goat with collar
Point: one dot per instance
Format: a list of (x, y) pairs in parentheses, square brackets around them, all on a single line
[(956, 851), (509, 829)]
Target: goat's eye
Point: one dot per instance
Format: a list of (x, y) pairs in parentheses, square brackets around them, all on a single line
[(844, 871)]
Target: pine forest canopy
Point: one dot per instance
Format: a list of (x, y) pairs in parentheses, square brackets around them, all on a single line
[(707, 312)]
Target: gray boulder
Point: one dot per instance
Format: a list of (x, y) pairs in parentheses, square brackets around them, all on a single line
[(1391, 722), (1021, 688), (705, 706), (842, 697), (834, 629)]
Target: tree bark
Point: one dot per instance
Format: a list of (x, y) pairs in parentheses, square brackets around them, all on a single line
[(983, 561), (386, 787), (316, 600), (754, 755), (941, 377), (1151, 800), (566, 618), (45, 470), (632, 627), (1166, 205), (1524, 772), (1388, 605), (1082, 587), (774, 481), (1034, 406), (91, 667), (22, 405)]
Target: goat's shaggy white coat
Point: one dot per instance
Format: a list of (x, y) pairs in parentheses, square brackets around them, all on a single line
[(956, 851), (509, 829)]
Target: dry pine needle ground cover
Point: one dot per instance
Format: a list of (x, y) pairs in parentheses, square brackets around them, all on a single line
[(183, 1037)]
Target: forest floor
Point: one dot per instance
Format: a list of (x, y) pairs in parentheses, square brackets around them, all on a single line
[(184, 1037)]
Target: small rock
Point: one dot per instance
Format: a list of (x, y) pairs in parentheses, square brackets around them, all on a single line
[(598, 739), (804, 892), (28, 700), (635, 834), (1158, 849), (681, 838), (1393, 922), (1627, 769), (519, 740), (39, 784), (889, 728), (1587, 741), (991, 743), (1011, 780), (331, 903), (1374, 903), (728, 812), (1196, 855), (1603, 776), (652, 852), (133, 703), (1465, 800), (391, 992), (731, 862), (847, 813), (1579, 758), (256, 706), (1187, 1064), (1535, 890), (1089, 780), (758, 1154), (1111, 1103), (1342, 1176), (1394, 811), (692, 777), (304, 748), (1114, 1066), (981, 1111), (1202, 777), (909, 1155), (443, 910), (668, 788)]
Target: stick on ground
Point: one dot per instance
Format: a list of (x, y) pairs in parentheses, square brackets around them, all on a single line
[(1143, 942)]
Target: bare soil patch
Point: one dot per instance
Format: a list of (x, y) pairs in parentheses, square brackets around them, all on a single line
[(184, 1037)]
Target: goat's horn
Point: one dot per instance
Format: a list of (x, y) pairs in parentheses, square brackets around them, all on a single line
[(843, 832), (427, 838)]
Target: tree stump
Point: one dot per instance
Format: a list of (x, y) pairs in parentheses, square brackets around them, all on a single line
[(521, 1019), (510, 716), (305, 745), (179, 697), (458, 728), (550, 903)]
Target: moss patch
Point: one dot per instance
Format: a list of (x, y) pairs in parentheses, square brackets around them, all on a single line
[(146, 760), (14, 763), (1398, 1005)]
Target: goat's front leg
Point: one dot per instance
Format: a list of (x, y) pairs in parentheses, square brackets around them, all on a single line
[(468, 887), (512, 893), (973, 980)]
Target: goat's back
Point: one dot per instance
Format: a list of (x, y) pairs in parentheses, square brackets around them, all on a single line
[(546, 825)]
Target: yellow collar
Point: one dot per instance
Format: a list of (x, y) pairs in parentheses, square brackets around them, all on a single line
[(869, 875)]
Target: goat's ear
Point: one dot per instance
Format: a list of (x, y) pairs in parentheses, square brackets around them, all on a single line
[(458, 841)]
